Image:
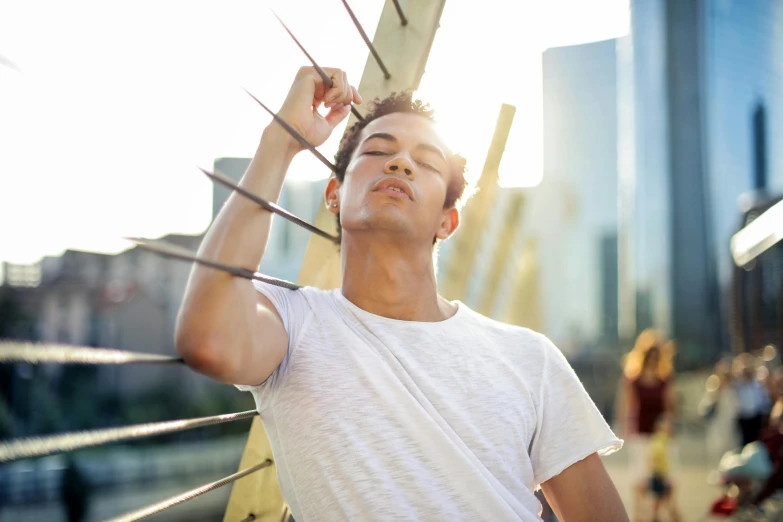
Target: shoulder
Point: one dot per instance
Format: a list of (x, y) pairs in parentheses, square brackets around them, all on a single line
[(313, 293), (297, 307), (534, 346), (519, 333), (302, 294)]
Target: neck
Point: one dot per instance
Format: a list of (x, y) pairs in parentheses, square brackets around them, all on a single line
[(392, 277)]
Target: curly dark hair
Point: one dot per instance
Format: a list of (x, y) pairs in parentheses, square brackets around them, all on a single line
[(394, 103)]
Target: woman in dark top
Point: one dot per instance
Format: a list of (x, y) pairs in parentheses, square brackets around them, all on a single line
[(646, 398)]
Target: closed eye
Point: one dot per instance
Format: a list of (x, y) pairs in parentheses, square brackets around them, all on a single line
[(427, 166), (376, 153)]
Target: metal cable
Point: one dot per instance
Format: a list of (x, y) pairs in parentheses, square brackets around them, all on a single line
[(367, 41), (193, 493), (40, 446), (298, 137), (271, 207), (286, 516), (176, 252), (39, 353), (324, 77), (403, 20)]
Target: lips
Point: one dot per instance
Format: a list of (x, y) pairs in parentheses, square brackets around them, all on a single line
[(393, 186)]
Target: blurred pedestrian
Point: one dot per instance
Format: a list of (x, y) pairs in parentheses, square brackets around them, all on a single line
[(720, 407), (74, 492), (776, 415), (660, 483), (647, 399), (753, 397)]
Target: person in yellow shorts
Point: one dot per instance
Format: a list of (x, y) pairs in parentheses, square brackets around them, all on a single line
[(660, 487)]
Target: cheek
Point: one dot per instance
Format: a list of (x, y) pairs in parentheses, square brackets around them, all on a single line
[(356, 180), (433, 189), (352, 194)]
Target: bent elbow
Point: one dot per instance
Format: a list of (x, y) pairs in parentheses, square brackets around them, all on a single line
[(200, 353)]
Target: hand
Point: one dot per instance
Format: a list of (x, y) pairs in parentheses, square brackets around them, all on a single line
[(307, 93)]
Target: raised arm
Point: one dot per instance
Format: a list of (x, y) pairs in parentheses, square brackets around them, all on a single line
[(226, 329)]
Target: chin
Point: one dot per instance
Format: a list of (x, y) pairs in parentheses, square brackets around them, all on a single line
[(387, 219)]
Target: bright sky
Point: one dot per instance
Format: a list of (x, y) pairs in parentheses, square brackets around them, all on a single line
[(116, 103)]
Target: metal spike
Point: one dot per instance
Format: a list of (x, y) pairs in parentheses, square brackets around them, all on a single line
[(8, 63), (45, 353), (33, 447), (176, 252), (298, 137), (324, 77), (163, 505), (367, 41), (271, 207), (403, 20)]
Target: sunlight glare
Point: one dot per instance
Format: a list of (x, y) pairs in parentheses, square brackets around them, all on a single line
[(103, 141)]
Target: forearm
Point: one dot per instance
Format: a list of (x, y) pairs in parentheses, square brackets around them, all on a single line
[(239, 234), (216, 304)]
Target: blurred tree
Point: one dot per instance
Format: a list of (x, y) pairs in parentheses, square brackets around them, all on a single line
[(74, 492), (7, 420), (76, 393), (11, 314), (14, 323)]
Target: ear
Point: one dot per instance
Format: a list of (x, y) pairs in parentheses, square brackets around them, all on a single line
[(332, 195), (448, 224)]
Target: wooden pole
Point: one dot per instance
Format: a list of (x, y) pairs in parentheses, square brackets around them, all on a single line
[(467, 239)]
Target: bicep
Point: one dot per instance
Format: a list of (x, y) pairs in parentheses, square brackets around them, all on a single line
[(253, 343), (267, 347), (584, 492)]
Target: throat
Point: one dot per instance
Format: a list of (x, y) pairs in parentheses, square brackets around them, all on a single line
[(392, 280)]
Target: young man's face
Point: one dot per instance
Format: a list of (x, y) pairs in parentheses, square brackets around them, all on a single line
[(397, 180)]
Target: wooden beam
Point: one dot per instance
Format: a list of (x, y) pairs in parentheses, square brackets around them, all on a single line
[(405, 50), (258, 493), (503, 249), (524, 309), (476, 213)]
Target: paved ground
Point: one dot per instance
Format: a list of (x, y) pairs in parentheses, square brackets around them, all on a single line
[(206, 508), (694, 497), (694, 494)]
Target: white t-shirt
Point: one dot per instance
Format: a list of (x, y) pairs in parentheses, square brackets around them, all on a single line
[(376, 419)]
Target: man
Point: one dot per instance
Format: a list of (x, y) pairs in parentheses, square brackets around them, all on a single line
[(382, 400)]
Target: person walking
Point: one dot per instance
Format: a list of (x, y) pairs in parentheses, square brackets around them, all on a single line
[(647, 401)]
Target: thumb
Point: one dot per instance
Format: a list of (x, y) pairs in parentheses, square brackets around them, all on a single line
[(337, 114)]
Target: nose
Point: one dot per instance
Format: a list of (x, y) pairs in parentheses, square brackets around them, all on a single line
[(400, 164)]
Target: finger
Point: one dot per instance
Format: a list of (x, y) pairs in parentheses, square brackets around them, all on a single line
[(356, 97), (318, 95), (309, 74), (335, 91), (334, 95), (346, 97), (337, 114)]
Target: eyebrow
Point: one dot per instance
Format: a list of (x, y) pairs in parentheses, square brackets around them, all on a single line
[(388, 137)]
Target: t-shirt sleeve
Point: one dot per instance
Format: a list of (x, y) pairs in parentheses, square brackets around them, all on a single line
[(569, 427), (293, 308)]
